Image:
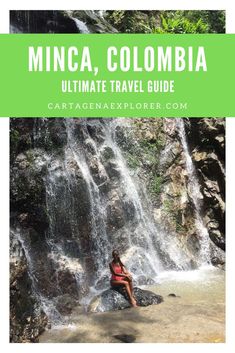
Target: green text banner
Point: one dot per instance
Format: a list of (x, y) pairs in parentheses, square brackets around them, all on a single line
[(117, 75)]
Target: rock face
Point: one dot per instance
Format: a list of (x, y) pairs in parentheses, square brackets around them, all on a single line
[(59, 22), (82, 187), (162, 163), (41, 22), (207, 144), (117, 299), (27, 318)]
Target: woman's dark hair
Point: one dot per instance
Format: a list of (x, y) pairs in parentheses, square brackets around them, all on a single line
[(119, 260), (114, 251)]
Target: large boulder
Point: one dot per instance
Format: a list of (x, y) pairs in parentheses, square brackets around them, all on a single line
[(116, 299)]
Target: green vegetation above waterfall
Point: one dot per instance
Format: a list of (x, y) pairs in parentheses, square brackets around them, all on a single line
[(167, 21), (113, 21)]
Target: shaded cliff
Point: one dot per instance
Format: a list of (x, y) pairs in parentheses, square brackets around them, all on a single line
[(207, 145)]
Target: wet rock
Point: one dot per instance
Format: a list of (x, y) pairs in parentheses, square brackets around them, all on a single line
[(206, 137), (218, 238), (117, 299), (103, 282), (67, 282), (65, 304), (125, 338), (96, 131), (193, 243), (112, 169), (145, 280), (95, 21), (43, 22), (173, 295), (218, 262), (27, 320), (118, 212), (115, 215), (107, 153), (97, 170)]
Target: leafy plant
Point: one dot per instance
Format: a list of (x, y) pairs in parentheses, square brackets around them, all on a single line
[(133, 161), (181, 25), (187, 21), (157, 184), (173, 214), (14, 136)]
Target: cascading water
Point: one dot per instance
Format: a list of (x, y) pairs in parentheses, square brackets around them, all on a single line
[(95, 203), (157, 249), (101, 247), (145, 248), (14, 29), (139, 235), (82, 27), (149, 247), (196, 196), (145, 229)]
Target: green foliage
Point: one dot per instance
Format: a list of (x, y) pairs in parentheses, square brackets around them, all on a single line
[(30, 156), (172, 213), (14, 137), (153, 147), (188, 21), (181, 25), (214, 19), (133, 21), (178, 227), (157, 184), (133, 161), (116, 17)]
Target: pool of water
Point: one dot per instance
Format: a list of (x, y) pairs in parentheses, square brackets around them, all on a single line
[(196, 314), (206, 285)]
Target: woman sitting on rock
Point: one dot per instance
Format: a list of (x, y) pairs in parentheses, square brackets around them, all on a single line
[(121, 277)]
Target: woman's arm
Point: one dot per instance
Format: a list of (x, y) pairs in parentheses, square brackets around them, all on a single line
[(114, 273), (124, 269), (127, 274)]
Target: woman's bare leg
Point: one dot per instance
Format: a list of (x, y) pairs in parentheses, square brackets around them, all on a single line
[(131, 286), (128, 289)]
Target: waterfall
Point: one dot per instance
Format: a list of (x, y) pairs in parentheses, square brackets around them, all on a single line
[(101, 246), (196, 196), (145, 247), (101, 13), (14, 29), (94, 203), (161, 250), (145, 229), (82, 27), (143, 241)]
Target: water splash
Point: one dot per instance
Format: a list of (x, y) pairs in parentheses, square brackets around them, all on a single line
[(101, 247), (82, 27)]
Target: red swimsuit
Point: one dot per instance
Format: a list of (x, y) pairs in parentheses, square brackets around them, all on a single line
[(117, 269)]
